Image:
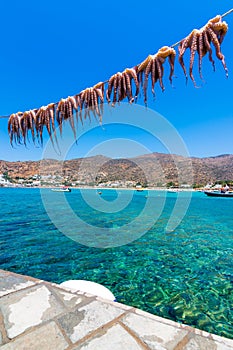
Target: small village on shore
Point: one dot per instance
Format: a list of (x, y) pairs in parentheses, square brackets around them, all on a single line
[(49, 181)]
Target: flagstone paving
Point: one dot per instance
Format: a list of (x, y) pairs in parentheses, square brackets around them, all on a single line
[(38, 315)]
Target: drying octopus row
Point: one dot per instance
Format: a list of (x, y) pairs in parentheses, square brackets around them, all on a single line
[(121, 85), (19, 124)]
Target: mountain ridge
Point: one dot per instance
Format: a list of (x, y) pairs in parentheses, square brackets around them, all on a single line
[(151, 169)]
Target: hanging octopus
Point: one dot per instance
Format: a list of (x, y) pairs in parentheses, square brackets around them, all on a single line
[(90, 99), (45, 116), (65, 110), (200, 41), (14, 129), (153, 65), (27, 122), (121, 85)]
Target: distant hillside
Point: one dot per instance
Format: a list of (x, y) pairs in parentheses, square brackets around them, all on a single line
[(154, 169)]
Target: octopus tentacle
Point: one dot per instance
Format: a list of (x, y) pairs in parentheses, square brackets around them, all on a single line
[(66, 110), (159, 63), (154, 76), (184, 44), (85, 98), (124, 92), (129, 75), (201, 52), (115, 87), (127, 86), (141, 69), (208, 48), (99, 95), (169, 52), (110, 87), (146, 76), (95, 98), (171, 60), (51, 112), (40, 122), (140, 78), (91, 102), (99, 88), (31, 123), (78, 102), (88, 99), (27, 122), (71, 106), (82, 99), (96, 102), (23, 127), (217, 46), (193, 50), (47, 122), (61, 113), (87, 114), (136, 81), (14, 128), (79, 108), (119, 87)]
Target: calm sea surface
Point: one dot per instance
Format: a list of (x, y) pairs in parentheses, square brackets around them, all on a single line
[(185, 275)]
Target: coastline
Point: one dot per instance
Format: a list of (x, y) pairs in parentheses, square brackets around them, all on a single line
[(110, 188)]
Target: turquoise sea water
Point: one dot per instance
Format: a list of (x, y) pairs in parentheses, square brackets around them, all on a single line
[(185, 275)]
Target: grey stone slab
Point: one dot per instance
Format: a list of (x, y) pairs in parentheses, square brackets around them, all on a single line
[(27, 308), (83, 320), (116, 338), (221, 346), (197, 342), (47, 337), (158, 336), (200, 343), (70, 300), (11, 283), (222, 343), (3, 273), (116, 304)]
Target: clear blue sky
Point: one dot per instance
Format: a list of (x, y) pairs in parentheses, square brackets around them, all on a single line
[(52, 49)]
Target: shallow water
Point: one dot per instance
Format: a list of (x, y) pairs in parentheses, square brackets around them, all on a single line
[(185, 275)]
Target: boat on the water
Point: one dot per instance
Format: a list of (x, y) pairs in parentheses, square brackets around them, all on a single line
[(228, 194), (61, 189)]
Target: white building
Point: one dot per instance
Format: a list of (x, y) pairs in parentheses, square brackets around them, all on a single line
[(3, 181)]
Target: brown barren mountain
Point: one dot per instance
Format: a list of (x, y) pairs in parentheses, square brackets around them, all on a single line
[(153, 169)]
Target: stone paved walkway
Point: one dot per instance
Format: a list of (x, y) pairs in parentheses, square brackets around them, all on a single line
[(37, 315)]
